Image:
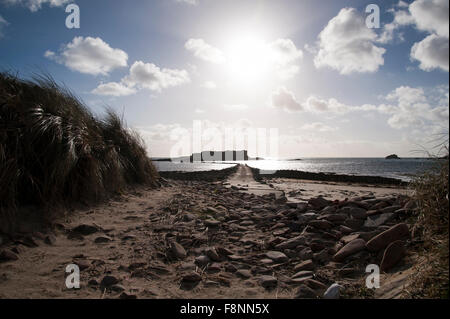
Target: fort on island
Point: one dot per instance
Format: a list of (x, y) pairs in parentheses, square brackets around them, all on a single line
[(212, 156)]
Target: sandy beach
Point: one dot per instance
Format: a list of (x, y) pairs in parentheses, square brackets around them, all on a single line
[(235, 238)]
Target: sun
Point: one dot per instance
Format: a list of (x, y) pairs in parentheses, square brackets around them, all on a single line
[(248, 58)]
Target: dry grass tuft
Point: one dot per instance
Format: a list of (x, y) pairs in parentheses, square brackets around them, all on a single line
[(431, 227), (53, 150)]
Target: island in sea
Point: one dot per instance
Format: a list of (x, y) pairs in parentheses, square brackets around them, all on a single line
[(392, 156), (212, 156)]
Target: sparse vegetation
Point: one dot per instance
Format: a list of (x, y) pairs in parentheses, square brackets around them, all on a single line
[(53, 150)]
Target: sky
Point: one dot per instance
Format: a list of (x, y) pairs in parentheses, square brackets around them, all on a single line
[(286, 78)]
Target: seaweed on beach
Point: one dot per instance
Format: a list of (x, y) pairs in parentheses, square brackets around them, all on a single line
[(54, 151)]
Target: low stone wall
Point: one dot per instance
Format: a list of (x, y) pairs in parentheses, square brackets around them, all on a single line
[(376, 180), (209, 176)]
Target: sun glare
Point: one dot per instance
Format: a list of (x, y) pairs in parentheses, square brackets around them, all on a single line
[(248, 58)]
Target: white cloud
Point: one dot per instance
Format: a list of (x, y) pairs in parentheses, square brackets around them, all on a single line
[(285, 100), (283, 55), (318, 126), (191, 2), (401, 18), (3, 23), (414, 108), (284, 51), (210, 85), (317, 105), (205, 51), (113, 89), (144, 76), (89, 55), (406, 107), (236, 107), (432, 53), (149, 76), (347, 45), (35, 5), (431, 16)]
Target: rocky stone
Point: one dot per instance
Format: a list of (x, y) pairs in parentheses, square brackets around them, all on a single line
[(212, 254), (85, 230), (357, 213), (126, 296), (390, 209), (235, 257), (349, 238), (354, 224), (397, 232), (224, 251), (393, 254), (39, 235), (211, 223), (369, 235), (303, 273), (306, 217), (188, 217), (351, 248), (7, 255), (305, 292), (378, 220), (305, 253), (291, 243), (188, 266), (322, 256), (83, 264), (335, 218), (321, 224), (93, 282), (109, 281), (333, 292), (319, 203), (305, 265), (28, 241), (243, 273), (277, 256), (102, 239), (317, 246), (372, 212), (302, 207), (316, 285), (202, 261), (50, 240), (266, 261), (192, 277), (268, 282), (345, 230), (117, 288), (177, 251), (214, 268), (328, 210)]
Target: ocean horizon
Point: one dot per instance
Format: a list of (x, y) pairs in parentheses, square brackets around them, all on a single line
[(404, 169)]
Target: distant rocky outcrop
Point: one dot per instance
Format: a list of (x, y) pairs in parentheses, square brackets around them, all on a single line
[(211, 156), (393, 156)]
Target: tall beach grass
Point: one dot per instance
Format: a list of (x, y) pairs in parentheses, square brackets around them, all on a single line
[(431, 226), (54, 151)]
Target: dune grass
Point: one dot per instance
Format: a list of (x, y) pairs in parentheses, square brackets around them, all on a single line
[(432, 227), (54, 151)]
